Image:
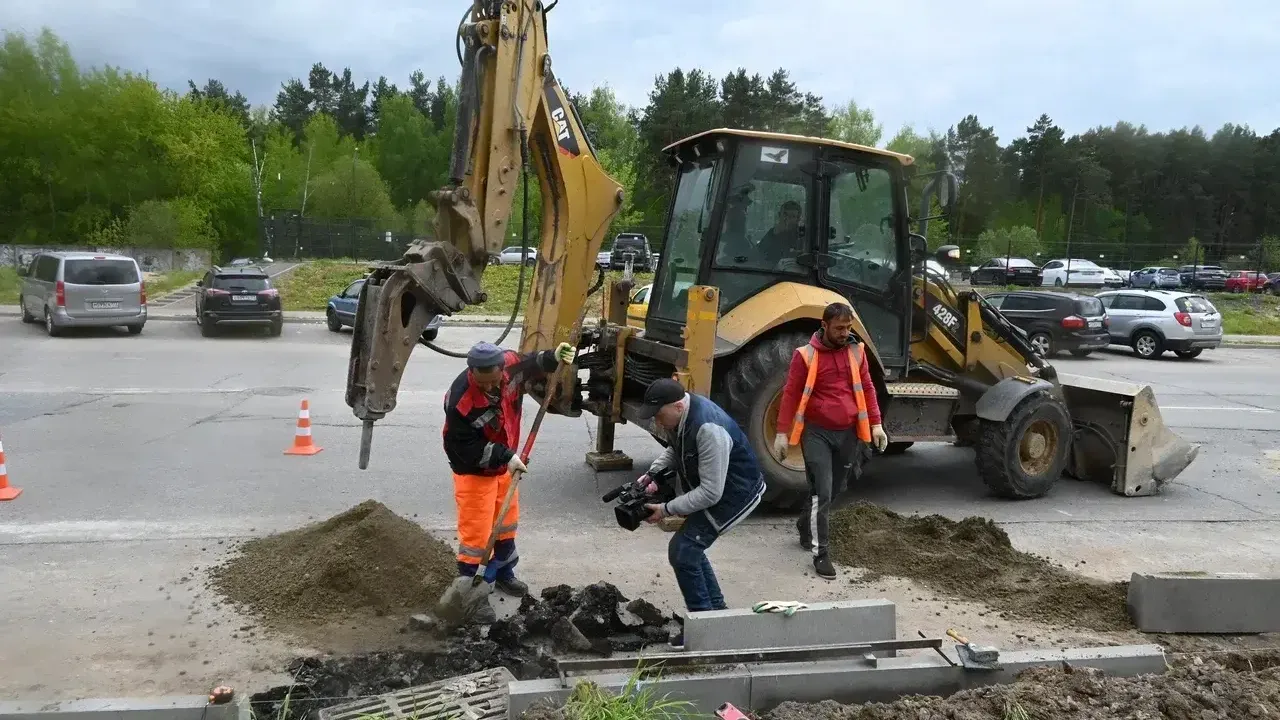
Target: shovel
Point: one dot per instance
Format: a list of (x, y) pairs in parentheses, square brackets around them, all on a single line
[(465, 594)]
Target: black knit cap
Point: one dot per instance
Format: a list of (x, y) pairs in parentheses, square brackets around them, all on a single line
[(659, 394)]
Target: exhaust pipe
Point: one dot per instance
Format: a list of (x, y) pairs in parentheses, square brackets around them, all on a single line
[(1120, 437)]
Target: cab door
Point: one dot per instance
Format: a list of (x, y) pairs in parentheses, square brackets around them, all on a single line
[(863, 252)]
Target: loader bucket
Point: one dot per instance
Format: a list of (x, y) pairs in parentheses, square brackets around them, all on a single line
[(1120, 437)]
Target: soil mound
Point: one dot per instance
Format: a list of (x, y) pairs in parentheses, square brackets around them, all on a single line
[(1190, 692), (973, 559), (367, 558)]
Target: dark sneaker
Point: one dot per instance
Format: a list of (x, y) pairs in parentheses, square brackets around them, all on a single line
[(802, 527), (513, 587), (677, 639), (822, 565)]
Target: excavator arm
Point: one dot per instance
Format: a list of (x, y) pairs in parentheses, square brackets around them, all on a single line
[(512, 114)]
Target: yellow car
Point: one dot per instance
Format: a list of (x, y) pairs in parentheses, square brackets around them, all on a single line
[(638, 308)]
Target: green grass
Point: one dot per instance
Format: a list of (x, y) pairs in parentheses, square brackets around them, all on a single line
[(589, 702), (9, 285), (162, 284), (310, 286)]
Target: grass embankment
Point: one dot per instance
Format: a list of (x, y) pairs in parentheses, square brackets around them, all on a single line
[(310, 286), (157, 285), (9, 284), (162, 284), (1242, 314)]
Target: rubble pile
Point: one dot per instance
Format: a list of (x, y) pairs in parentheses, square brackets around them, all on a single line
[(1196, 690)]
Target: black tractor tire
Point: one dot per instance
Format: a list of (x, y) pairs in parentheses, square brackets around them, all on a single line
[(750, 390), (896, 448), (1023, 456)]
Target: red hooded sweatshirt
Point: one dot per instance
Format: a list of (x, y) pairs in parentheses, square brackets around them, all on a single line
[(831, 404)]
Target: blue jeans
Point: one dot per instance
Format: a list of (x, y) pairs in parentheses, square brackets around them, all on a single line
[(687, 554)]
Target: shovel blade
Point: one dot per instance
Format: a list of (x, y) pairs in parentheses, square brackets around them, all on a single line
[(461, 599)]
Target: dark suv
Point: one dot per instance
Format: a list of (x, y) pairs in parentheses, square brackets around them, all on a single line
[(634, 245), (237, 296), (1203, 277), (1056, 321)]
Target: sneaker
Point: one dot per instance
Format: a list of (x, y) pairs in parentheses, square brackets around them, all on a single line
[(677, 639), (802, 527), (513, 587), (822, 565)]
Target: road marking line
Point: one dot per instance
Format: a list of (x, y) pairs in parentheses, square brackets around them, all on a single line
[(1263, 411)]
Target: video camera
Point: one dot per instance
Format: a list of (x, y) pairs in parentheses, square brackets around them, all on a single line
[(630, 510)]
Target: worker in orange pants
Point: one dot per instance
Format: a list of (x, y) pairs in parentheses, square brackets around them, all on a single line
[(481, 434)]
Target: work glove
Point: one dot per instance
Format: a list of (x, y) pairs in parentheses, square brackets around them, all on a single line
[(878, 438), (780, 446), (564, 353), (515, 463)]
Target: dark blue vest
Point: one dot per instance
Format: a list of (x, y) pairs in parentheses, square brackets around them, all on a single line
[(744, 484)]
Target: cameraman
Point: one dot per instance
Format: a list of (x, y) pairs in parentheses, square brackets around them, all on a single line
[(720, 484)]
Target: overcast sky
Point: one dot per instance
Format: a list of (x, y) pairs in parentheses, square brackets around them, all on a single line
[(1162, 63)]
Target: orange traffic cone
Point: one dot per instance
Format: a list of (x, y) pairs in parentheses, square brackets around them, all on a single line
[(6, 492), (302, 444)]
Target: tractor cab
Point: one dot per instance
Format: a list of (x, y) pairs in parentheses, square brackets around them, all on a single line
[(753, 211)]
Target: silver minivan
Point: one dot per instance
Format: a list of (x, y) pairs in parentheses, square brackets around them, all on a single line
[(77, 289)]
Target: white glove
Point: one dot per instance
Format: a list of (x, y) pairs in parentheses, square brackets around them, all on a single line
[(564, 353), (515, 463), (878, 438), (780, 446)]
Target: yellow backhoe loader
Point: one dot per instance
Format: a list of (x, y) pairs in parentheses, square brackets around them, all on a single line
[(763, 231)]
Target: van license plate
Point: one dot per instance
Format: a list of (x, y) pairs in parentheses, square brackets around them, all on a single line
[(244, 298), (104, 305)]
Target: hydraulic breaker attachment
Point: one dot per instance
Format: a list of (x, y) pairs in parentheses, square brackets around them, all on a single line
[(397, 303), (1120, 437)]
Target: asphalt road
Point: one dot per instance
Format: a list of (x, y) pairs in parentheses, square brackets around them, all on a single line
[(138, 473)]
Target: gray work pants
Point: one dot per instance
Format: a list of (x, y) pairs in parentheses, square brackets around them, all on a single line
[(828, 464)]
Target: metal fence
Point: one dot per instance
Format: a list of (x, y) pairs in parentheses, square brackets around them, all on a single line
[(289, 235)]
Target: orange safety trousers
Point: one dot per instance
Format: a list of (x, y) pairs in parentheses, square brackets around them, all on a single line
[(479, 498)]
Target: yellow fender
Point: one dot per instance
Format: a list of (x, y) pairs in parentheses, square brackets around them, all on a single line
[(777, 305)]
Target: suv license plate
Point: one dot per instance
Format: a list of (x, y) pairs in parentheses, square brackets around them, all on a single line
[(244, 298), (104, 305), (1208, 322), (1095, 323)]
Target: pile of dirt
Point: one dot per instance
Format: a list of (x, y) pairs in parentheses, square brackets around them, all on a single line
[(595, 619), (1200, 691), (367, 558), (974, 560)]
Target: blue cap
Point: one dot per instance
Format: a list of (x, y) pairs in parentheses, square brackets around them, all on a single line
[(485, 355)]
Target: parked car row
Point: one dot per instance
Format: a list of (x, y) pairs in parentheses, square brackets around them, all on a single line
[(1058, 273), (1149, 321)]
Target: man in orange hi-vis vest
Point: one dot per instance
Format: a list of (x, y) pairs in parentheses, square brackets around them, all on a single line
[(829, 409)]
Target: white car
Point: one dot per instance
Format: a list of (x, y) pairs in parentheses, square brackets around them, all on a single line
[(602, 259), (1085, 273), (512, 256), (1113, 278)]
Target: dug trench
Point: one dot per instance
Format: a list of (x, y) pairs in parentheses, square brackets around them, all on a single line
[(367, 572)]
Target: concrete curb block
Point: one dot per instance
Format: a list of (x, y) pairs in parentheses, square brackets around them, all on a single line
[(761, 687), (824, 623), (1202, 602), (173, 707)]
